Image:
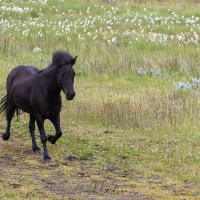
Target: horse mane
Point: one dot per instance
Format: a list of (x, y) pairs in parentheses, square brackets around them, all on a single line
[(58, 57)]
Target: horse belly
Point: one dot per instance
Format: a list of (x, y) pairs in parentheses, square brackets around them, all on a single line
[(20, 96), (22, 103)]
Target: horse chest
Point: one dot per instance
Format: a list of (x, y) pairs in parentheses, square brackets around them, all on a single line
[(52, 110), (50, 114)]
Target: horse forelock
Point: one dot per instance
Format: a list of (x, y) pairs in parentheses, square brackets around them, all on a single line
[(61, 57)]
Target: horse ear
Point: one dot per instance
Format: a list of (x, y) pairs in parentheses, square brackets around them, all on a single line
[(73, 61)]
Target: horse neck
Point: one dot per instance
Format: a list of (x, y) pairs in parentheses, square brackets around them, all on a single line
[(51, 81)]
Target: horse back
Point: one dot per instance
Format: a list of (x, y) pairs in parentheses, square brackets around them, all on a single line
[(18, 73)]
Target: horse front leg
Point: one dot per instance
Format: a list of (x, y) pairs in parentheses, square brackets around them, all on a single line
[(36, 149), (56, 122), (40, 123)]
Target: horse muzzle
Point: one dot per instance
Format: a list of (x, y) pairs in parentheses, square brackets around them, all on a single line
[(70, 96)]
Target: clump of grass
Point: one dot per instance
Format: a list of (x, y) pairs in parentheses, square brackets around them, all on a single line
[(34, 14)]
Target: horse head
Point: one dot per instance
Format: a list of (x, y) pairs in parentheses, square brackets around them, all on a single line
[(66, 76)]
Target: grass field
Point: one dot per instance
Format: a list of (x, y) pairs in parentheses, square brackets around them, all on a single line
[(133, 130)]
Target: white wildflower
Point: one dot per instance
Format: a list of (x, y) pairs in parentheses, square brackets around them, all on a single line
[(37, 50)]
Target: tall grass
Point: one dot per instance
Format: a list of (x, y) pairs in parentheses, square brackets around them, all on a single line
[(112, 40)]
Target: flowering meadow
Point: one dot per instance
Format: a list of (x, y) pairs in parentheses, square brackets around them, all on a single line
[(109, 31), (98, 23), (137, 107)]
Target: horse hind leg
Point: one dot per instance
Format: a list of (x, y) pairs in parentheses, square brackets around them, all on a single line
[(36, 149), (9, 115)]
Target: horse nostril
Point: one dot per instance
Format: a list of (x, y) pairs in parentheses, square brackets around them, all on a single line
[(70, 96)]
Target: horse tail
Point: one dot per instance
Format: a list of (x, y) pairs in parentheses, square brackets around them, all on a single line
[(18, 112), (4, 107)]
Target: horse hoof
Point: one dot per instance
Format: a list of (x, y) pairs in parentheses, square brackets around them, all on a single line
[(6, 136), (50, 138), (38, 152), (48, 160)]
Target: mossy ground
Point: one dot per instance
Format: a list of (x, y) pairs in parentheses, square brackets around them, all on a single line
[(24, 175)]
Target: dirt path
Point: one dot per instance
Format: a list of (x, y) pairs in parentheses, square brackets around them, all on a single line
[(23, 175), (26, 173)]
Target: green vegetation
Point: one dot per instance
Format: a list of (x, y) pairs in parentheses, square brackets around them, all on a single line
[(133, 131)]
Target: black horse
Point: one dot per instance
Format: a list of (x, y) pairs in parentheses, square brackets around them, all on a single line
[(37, 92)]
